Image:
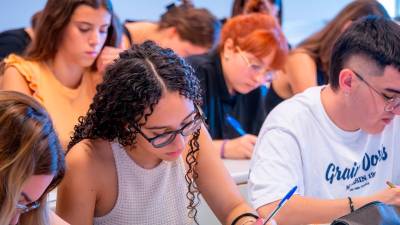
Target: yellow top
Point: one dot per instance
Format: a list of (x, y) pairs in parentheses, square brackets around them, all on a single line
[(64, 105)]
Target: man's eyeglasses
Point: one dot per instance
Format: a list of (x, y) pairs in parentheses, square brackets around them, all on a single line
[(166, 138), (391, 104), (268, 74), (27, 208)]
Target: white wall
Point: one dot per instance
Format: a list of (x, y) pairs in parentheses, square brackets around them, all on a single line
[(16, 13), (301, 18)]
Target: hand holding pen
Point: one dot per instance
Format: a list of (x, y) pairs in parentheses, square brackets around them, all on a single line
[(241, 147), (390, 184), (235, 125), (390, 195), (260, 222), (281, 204)]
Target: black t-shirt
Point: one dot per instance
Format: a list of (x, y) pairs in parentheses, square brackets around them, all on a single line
[(248, 109), (13, 41)]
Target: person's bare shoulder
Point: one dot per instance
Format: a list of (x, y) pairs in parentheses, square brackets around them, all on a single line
[(89, 155), (299, 56), (96, 157), (81, 154), (141, 31), (141, 25), (301, 70), (81, 187)]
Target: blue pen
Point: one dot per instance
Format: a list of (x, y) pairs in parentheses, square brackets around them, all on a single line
[(235, 124), (281, 203)]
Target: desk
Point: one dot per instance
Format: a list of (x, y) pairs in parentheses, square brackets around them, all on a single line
[(238, 169)]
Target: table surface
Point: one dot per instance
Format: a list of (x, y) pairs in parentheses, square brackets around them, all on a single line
[(238, 169)]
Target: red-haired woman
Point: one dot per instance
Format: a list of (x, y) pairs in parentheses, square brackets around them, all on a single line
[(233, 78)]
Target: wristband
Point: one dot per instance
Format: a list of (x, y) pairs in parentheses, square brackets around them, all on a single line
[(351, 204), (244, 215), (222, 150)]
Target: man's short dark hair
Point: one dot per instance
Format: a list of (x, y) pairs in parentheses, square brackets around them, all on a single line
[(374, 37)]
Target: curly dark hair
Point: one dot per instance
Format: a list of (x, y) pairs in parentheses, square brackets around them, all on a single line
[(135, 82)]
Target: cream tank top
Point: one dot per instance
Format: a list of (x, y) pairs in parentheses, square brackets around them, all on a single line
[(155, 196)]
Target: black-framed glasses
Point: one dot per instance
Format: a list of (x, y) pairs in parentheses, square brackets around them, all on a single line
[(391, 104), (27, 208), (268, 74), (166, 138)]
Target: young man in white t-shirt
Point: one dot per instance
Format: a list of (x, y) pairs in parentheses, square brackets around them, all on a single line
[(339, 143)]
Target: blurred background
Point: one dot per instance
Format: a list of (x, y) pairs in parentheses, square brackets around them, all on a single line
[(300, 17)]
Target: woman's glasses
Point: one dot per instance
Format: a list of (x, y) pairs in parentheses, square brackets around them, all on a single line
[(268, 74), (166, 138), (27, 208)]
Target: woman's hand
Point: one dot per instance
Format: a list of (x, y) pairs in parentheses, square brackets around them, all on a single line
[(106, 57), (260, 221), (240, 148)]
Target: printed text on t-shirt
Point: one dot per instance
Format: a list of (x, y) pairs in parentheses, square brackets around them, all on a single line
[(369, 161)]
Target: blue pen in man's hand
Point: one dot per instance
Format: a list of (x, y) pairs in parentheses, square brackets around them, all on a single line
[(235, 124), (281, 203)]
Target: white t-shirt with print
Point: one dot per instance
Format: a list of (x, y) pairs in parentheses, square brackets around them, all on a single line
[(299, 145)]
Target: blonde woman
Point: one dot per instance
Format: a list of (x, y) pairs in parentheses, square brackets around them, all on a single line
[(31, 161)]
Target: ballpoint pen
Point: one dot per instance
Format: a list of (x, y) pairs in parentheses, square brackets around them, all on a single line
[(235, 124), (390, 184), (280, 205)]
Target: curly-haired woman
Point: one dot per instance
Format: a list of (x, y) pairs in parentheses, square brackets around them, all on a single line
[(141, 154)]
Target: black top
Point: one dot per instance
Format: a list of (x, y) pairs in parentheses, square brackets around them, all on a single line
[(126, 31), (248, 109), (321, 76), (273, 99), (13, 41)]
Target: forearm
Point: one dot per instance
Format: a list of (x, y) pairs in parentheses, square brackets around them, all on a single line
[(55, 219), (217, 186), (303, 210), (241, 208), (217, 143), (218, 146)]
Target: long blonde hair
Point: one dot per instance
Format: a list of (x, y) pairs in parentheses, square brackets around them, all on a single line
[(28, 146)]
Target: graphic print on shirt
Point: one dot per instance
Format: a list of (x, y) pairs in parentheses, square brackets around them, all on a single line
[(359, 174)]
